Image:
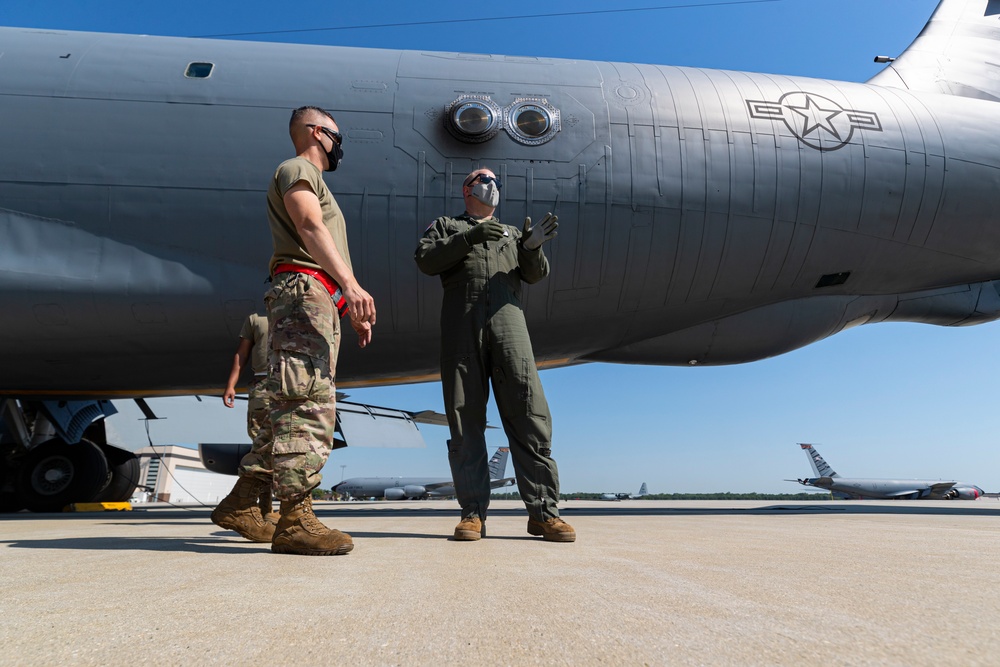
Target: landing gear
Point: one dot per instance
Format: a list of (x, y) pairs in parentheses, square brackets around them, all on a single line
[(124, 467), (55, 474), (55, 453)]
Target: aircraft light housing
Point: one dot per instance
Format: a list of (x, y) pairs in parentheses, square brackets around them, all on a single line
[(532, 121), (473, 118)]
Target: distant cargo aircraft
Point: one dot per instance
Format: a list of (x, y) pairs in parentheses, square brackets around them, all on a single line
[(625, 496), (908, 489), (414, 488)]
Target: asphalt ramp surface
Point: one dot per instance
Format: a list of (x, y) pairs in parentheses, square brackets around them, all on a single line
[(646, 583)]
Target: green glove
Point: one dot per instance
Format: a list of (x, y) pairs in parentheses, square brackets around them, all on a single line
[(533, 237), (490, 230)]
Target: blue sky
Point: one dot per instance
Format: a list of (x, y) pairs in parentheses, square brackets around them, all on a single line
[(883, 400)]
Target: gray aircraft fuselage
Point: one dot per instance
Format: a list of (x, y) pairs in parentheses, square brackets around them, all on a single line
[(706, 217), (929, 489), (405, 487)]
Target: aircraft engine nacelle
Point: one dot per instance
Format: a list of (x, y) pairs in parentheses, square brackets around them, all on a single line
[(963, 493), (414, 491), (395, 494)]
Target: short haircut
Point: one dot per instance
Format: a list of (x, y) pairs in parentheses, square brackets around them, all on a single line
[(299, 114)]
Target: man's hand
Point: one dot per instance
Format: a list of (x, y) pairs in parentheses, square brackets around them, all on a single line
[(360, 305), (490, 230), (229, 397), (533, 237), (364, 331)]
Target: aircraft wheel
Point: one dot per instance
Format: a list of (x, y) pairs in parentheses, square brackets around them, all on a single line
[(55, 474), (124, 468)]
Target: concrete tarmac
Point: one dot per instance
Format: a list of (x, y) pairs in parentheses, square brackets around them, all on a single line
[(646, 583)]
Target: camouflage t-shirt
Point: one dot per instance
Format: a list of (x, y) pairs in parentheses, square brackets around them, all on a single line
[(288, 246), (255, 330)]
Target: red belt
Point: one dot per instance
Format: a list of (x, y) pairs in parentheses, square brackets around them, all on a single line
[(324, 278)]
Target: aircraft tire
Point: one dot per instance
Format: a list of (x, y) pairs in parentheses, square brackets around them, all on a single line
[(55, 474), (124, 467)]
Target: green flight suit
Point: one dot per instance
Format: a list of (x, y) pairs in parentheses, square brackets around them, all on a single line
[(484, 339)]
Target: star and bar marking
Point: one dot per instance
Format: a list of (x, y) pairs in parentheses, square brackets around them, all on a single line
[(816, 121)]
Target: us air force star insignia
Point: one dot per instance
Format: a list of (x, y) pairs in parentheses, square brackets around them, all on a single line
[(816, 121)]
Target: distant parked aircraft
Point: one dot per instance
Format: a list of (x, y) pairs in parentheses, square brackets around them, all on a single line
[(414, 488), (909, 489), (625, 496)]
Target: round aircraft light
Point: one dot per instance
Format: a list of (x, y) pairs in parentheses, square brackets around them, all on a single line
[(473, 119), (532, 121)]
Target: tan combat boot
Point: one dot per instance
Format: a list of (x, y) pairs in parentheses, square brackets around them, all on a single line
[(553, 530), (240, 511), (300, 532), (267, 507), (469, 529)]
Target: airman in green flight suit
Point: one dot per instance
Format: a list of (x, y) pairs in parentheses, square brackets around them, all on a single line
[(484, 339)]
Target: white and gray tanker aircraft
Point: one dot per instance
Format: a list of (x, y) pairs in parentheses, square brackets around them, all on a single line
[(893, 489), (413, 488), (708, 217)]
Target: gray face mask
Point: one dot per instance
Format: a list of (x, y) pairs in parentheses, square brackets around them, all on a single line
[(487, 193)]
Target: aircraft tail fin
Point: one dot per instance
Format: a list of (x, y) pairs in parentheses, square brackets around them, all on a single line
[(957, 53), (819, 465), (498, 463), (642, 491)]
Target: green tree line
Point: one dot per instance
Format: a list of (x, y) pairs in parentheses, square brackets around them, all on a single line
[(684, 496)]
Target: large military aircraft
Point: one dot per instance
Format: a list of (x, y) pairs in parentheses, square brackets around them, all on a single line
[(420, 488), (892, 489), (709, 217), (626, 496)]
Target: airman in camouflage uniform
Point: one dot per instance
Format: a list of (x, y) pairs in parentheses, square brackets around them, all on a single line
[(253, 349), (484, 340), (310, 268), (297, 436)]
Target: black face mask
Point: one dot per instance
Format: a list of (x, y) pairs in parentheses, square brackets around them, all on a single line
[(334, 156)]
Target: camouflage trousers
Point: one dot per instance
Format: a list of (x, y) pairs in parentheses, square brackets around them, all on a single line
[(256, 407), (295, 438)]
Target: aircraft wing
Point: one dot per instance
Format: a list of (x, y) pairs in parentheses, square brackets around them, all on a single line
[(933, 491), (434, 418), (506, 481), (438, 485), (906, 493), (429, 417), (358, 425), (372, 426), (940, 487)]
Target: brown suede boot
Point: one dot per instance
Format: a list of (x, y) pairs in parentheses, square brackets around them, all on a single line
[(469, 529), (239, 511), (553, 530), (300, 532), (267, 508)]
